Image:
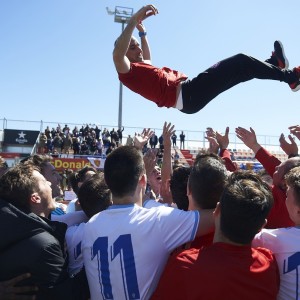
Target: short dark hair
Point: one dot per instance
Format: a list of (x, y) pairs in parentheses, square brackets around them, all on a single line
[(244, 205), (178, 186), (94, 195), (38, 160), (122, 170), (293, 180), (207, 180), (17, 185), (76, 177)]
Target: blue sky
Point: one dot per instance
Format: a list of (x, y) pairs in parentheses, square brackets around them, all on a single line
[(56, 61)]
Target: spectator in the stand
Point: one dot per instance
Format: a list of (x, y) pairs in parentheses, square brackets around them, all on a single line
[(129, 141), (53, 133), (81, 130), (75, 132), (174, 139), (229, 268), (176, 158), (66, 129), (57, 143), (97, 132), (105, 138), (42, 143), (88, 138), (67, 143), (182, 140), (58, 129), (279, 216), (48, 132), (86, 130), (153, 140), (161, 142), (49, 145), (76, 145), (93, 146), (84, 148), (114, 137), (99, 146), (120, 134)]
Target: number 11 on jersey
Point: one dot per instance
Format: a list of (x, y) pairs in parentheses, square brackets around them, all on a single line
[(122, 247)]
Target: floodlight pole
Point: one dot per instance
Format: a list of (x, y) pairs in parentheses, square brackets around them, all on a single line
[(122, 15)]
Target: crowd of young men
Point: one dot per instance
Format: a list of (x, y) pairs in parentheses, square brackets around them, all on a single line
[(128, 246)]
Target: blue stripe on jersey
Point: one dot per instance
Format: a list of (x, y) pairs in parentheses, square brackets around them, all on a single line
[(58, 212), (115, 206), (195, 225)]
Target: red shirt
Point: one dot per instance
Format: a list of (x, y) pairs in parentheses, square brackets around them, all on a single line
[(220, 271), (278, 216), (155, 84)]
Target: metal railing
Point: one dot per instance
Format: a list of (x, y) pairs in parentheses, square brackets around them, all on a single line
[(193, 139)]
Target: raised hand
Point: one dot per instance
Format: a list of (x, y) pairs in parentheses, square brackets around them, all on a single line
[(213, 144), (248, 138), (223, 140), (295, 130), (168, 131), (144, 13), (141, 139), (289, 148)]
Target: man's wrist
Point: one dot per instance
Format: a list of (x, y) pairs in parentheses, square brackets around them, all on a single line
[(142, 33)]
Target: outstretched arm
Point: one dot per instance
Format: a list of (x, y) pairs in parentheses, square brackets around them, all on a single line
[(144, 42), (166, 169), (268, 160), (122, 63)]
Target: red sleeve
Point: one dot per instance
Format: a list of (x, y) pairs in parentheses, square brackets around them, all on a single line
[(171, 284), (268, 160), (225, 154), (279, 216)]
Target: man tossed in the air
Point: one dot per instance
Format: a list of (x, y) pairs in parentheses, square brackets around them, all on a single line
[(170, 88)]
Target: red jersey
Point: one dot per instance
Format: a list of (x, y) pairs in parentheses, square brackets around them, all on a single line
[(220, 271), (155, 84)]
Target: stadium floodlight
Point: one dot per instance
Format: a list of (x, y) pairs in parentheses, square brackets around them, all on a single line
[(122, 15)]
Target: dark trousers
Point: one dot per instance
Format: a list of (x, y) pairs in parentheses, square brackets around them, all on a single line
[(199, 91)]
